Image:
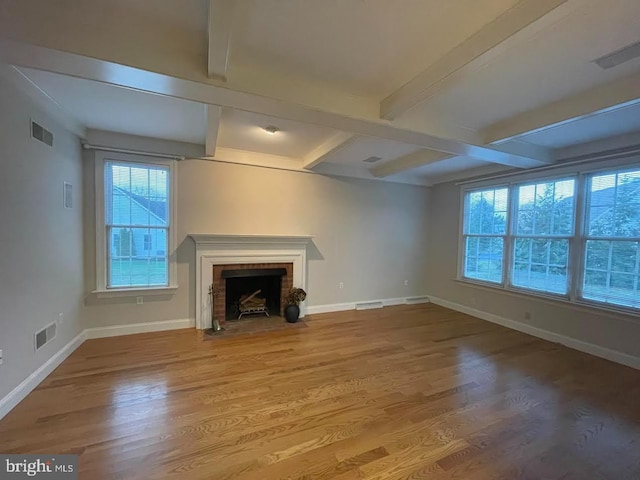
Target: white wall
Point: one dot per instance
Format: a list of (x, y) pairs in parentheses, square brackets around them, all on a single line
[(368, 234), (616, 332), (40, 241)]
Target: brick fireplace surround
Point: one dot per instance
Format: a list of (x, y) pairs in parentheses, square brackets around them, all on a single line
[(221, 283)]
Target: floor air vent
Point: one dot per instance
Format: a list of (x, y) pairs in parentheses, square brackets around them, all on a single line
[(41, 134), (416, 300), (45, 335), (368, 305)]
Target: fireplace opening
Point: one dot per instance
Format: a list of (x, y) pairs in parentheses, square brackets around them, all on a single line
[(253, 292)]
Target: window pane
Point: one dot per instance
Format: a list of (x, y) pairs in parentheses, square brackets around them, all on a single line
[(612, 272), (131, 263), (486, 211), (613, 208), (545, 208), (483, 258), (541, 264), (136, 194)]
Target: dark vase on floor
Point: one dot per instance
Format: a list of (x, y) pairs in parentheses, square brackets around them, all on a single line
[(292, 313)]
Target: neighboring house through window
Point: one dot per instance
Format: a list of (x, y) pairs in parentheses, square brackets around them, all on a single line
[(135, 223)]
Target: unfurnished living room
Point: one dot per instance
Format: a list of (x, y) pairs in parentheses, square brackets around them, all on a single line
[(320, 239)]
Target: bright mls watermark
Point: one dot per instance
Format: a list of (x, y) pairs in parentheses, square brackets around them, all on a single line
[(51, 467)]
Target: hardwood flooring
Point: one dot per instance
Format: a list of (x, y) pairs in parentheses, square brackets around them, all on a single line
[(406, 392)]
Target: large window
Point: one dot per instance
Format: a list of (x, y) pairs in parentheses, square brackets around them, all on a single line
[(134, 225), (572, 237)]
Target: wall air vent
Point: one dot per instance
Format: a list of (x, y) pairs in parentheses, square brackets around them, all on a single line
[(45, 335), (372, 159), (41, 134), (619, 56)]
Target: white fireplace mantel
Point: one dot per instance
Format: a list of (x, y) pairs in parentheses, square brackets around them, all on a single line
[(216, 249), (203, 239)]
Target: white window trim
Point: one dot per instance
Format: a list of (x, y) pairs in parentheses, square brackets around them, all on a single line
[(577, 243), (101, 244)]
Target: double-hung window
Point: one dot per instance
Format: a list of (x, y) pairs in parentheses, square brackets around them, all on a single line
[(484, 227), (612, 239), (574, 237), (135, 224), (544, 227)]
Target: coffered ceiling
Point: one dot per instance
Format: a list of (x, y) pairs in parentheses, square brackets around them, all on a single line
[(364, 47), (417, 91)]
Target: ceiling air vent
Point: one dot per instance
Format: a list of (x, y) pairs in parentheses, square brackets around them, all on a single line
[(372, 159), (619, 56), (45, 335), (41, 134)]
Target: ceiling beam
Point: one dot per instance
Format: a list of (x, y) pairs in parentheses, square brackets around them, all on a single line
[(484, 45), (620, 93), (425, 157), (415, 159), (322, 151), (219, 34), (214, 114), (150, 82), (617, 94)]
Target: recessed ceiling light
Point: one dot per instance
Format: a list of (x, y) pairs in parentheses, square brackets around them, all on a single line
[(271, 130)]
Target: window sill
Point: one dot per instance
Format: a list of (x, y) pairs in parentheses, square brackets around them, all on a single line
[(135, 291), (580, 305)]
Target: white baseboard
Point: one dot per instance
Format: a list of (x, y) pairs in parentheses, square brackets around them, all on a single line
[(18, 394), (341, 307), (590, 348), (118, 330)]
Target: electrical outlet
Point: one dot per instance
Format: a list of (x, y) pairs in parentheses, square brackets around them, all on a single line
[(139, 300), (60, 318), (1, 357), (341, 285), (527, 315), (406, 282)]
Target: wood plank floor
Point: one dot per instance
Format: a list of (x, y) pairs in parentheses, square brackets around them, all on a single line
[(405, 392)]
